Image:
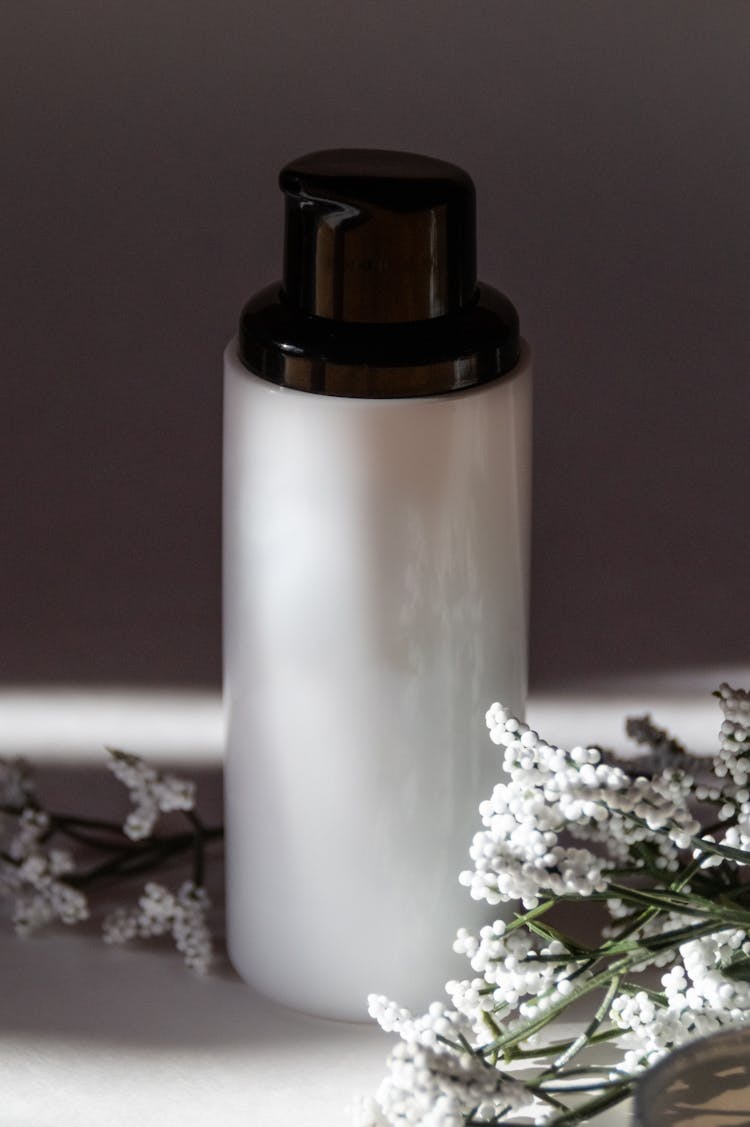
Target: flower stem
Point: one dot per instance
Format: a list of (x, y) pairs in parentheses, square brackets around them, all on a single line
[(199, 852), (583, 1040), (138, 857), (619, 1091), (558, 1046), (596, 982)]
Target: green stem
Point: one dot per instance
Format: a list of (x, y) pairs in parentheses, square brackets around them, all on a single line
[(92, 842), (654, 996), (560, 1046), (610, 948), (61, 821), (602, 979), (584, 1038), (654, 943), (586, 1070), (585, 1111), (141, 856), (551, 934), (697, 842), (593, 1086), (64, 820), (199, 852), (566, 957), (666, 900), (491, 1024), (648, 914), (532, 914)]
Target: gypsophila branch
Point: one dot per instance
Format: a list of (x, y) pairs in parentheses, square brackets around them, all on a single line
[(44, 883), (671, 961)]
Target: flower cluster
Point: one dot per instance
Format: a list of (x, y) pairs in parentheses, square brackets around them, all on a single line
[(731, 768), (578, 826), (551, 794), (514, 970), (45, 883), (432, 1080), (16, 788), (160, 912), (150, 792), (701, 998), (30, 877)]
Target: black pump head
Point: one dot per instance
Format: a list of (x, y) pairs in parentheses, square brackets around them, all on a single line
[(380, 297), (378, 236)]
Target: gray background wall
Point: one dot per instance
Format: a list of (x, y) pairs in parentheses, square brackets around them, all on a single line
[(609, 142)]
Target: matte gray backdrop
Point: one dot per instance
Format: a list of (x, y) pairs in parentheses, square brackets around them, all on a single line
[(610, 147)]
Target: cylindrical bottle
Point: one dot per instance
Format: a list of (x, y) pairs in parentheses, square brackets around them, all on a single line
[(376, 521)]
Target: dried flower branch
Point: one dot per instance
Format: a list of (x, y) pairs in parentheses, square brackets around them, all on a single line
[(672, 961), (45, 884)]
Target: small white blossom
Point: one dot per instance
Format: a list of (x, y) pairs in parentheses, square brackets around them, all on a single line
[(161, 912), (150, 792), (435, 1089), (433, 1030), (30, 872), (120, 926), (190, 928), (16, 786), (32, 825), (366, 1112), (38, 897)]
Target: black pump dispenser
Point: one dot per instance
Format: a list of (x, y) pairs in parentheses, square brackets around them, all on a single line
[(379, 297), (378, 236)]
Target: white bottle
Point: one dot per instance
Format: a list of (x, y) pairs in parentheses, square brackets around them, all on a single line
[(376, 526)]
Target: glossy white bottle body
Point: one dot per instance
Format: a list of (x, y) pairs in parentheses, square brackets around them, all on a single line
[(375, 605)]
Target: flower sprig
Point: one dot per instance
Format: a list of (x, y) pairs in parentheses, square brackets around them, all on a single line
[(46, 883), (662, 853)]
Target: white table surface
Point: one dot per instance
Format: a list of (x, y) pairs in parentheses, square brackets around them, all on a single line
[(94, 1036)]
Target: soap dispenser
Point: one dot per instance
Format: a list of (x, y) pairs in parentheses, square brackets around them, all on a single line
[(376, 535)]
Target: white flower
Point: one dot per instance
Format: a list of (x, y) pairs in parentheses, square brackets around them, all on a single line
[(190, 928), (432, 1030), (366, 1112), (120, 926), (37, 895), (31, 827), (29, 876), (150, 792), (550, 793), (16, 786), (435, 1089), (160, 912)]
